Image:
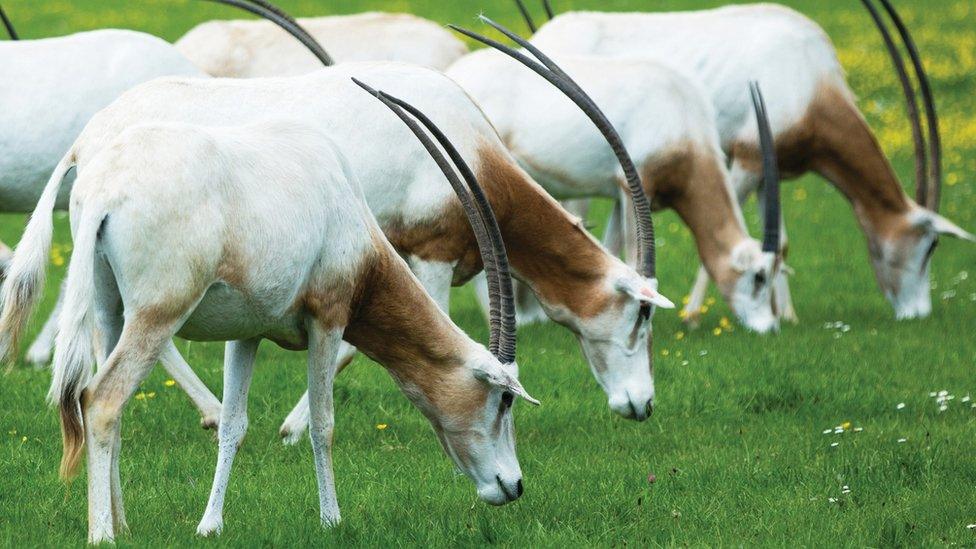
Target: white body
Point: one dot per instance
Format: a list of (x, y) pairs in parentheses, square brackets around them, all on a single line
[(50, 88), (723, 49), (666, 124), (253, 48), (406, 192), (811, 109), (242, 234)]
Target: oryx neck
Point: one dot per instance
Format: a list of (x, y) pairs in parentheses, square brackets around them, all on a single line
[(548, 248)]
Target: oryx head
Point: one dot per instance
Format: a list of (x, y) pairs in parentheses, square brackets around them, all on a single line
[(470, 407), (616, 341), (901, 250), (757, 265)]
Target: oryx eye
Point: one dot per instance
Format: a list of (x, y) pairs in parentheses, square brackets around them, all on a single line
[(760, 279), (507, 400)]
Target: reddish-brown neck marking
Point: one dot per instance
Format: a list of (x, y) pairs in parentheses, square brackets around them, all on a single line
[(695, 184), (548, 248)]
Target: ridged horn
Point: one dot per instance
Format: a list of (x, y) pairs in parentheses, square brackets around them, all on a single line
[(502, 341), (549, 70), (934, 191), (911, 104), (526, 16), (277, 16), (771, 236), (548, 7), (8, 25)]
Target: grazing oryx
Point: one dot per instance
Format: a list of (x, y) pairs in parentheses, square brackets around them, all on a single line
[(816, 121), (604, 302), (182, 224), (93, 68), (247, 49), (668, 127)]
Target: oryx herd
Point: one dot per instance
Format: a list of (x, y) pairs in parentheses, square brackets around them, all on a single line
[(285, 180)]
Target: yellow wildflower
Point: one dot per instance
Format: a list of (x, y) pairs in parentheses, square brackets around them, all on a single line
[(679, 336), (140, 396), (717, 332), (170, 383), (665, 352), (381, 426), (846, 425), (724, 323)]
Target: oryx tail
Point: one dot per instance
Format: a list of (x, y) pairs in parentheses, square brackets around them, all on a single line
[(25, 277), (73, 351)]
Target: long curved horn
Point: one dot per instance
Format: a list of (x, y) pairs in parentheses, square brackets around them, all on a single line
[(934, 191), (274, 14), (918, 137), (548, 7), (504, 272), (10, 26), (771, 237), (502, 310), (549, 70), (526, 16)]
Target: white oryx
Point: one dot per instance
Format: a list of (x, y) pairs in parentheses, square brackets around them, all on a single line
[(815, 120), (605, 303), (668, 127), (244, 233), (53, 86), (253, 48)]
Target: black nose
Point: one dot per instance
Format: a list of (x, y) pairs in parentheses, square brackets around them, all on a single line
[(649, 408), (518, 488)]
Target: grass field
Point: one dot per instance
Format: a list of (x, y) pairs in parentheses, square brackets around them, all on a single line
[(736, 443)]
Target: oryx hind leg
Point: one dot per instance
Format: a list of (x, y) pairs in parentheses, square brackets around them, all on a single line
[(187, 379), (105, 398)]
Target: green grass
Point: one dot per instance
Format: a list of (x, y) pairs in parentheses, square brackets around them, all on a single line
[(736, 442)]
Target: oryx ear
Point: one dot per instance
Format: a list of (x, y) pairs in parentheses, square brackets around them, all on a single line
[(936, 223), (644, 291), (497, 376)]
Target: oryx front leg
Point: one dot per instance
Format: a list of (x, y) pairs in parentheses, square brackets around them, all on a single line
[(293, 428), (39, 353), (696, 300), (238, 370), (323, 347), (187, 379)]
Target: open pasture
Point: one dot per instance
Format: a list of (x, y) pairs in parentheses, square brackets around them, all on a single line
[(825, 434)]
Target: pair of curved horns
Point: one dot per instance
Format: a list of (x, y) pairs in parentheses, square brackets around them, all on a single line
[(546, 5), (771, 236), (549, 70), (9, 26), (928, 157), (479, 213), (276, 15)]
